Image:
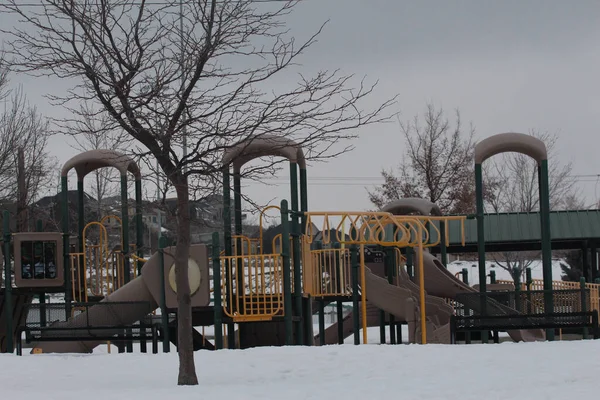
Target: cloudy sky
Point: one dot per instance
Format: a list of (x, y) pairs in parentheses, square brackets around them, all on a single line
[(512, 65)]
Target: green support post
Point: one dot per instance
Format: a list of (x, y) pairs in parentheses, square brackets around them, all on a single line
[(584, 260), (481, 244), (139, 230), (584, 301), (64, 214), (295, 234), (594, 259), (42, 295), (303, 197), (340, 318), (240, 284), (390, 267), (443, 249), (318, 245), (355, 265), (125, 239), (237, 205), (321, 322), (464, 273), (517, 275), (218, 306), (528, 283), (382, 326), (80, 212), (125, 224), (8, 309), (228, 248), (546, 241), (80, 228), (287, 279), (164, 315), (409, 262), (493, 277)]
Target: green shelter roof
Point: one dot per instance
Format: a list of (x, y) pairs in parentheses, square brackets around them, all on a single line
[(517, 227)]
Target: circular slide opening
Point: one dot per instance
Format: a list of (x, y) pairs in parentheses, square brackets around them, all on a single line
[(194, 277)]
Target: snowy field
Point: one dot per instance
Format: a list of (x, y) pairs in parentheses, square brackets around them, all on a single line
[(559, 370)]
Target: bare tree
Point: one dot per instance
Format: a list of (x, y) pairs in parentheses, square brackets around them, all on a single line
[(438, 165), (96, 130), (26, 168), (208, 82), (518, 192)]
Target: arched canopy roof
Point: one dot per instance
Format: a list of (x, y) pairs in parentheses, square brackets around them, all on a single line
[(91, 160), (510, 142), (264, 145), (412, 205)]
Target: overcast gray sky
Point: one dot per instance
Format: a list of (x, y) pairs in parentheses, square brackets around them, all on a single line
[(507, 65)]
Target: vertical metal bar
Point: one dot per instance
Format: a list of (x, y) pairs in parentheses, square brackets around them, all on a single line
[(64, 214), (544, 194), (8, 308), (528, 282), (164, 316), (139, 232), (303, 197), (218, 306), (585, 260), (443, 249), (228, 251), (355, 302), (340, 321), (390, 270), (517, 275), (287, 284), (125, 229), (125, 241), (409, 262), (321, 322), (80, 211), (422, 310), (594, 259), (481, 244), (583, 300), (295, 233)]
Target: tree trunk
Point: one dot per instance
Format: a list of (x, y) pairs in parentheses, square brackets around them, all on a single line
[(22, 220), (185, 347)]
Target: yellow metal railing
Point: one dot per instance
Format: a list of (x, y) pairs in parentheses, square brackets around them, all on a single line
[(255, 292), (381, 228), (326, 272)]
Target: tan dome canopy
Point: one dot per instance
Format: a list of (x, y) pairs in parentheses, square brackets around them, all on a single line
[(510, 142), (410, 205), (264, 145), (89, 161)]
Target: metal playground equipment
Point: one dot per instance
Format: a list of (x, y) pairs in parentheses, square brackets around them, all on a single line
[(381, 262)]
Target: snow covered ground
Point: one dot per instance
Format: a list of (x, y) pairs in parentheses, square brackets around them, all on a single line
[(558, 370)]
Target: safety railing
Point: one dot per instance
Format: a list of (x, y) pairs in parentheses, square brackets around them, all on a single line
[(363, 228), (92, 274), (327, 272), (255, 290), (538, 284), (381, 228)]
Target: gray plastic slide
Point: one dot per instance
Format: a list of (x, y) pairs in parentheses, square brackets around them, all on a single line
[(103, 315), (440, 282), (402, 301)]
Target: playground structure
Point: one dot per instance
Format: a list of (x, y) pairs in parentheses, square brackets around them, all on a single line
[(381, 262)]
